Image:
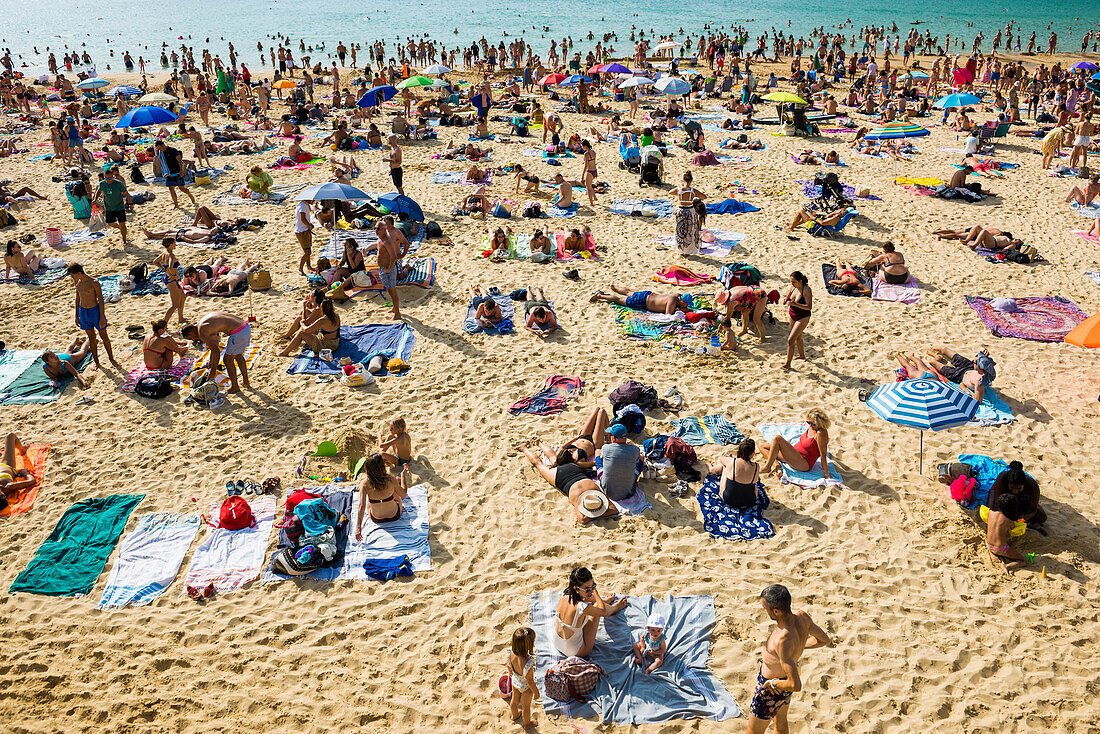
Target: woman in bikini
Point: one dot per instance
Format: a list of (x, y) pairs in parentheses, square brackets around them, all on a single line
[(158, 348), (529, 181), (812, 446), (890, 264), (60, 365), (589, 175), (569, 469), (171, 265), (381, 493), (847, 280), (13, 480), (578, 614), (799, 301), (320, 332), (688, 228)]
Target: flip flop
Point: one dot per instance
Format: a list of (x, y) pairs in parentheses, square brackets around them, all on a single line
[(230, 488)]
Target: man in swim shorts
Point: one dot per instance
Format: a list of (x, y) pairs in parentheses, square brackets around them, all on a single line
[(778, 679), (644, 300), (973, 375), (389, 254), (91, 311), (171, 165), (208, 331)]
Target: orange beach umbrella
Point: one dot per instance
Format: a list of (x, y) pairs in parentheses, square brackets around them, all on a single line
[(1086, 334)]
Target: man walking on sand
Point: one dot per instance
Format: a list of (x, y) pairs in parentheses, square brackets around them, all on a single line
[(91, 312), (396, 173), (171, 167), (115, 199), (208, 330), (778, 679), (389, 252)]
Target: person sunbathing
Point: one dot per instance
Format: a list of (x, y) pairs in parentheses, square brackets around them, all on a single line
[(488, 313), (287, 128), (194, 234), (20, 262), (59, 365), (1085, 196), (12, 480), (972, 375), (344, 169), (296, 152), (227, 284), (811, 158), (500, 242), (829, 220), (576, 240), (540, 317), (476, 202), (643, 300), (542, 247), (742, 142), (198, 278), (889, 264), (476, 175), (8, 196), (158, 349), (847, 280), (990, 239)]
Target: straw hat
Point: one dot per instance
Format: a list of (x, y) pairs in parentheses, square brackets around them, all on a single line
[(592, 503)]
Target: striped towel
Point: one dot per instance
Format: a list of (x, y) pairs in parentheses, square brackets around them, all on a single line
[(448, 177), (181, 369), (406, 536), (229, 559), (149, 559), (221, 378)]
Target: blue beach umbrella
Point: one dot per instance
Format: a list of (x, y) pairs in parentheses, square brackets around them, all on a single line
[(672, 86), (436, 69), (331, 191), (574, 79), (613, 68), (1086, 65), (928, 405), (126, 91), (398, 203), (1095, 76), (146, 116), (958, 99), (377, 95), (93, 83)]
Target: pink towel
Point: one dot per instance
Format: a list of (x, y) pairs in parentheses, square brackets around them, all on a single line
[(901, 293), (589, 248), (1086, 236), (175, 374)]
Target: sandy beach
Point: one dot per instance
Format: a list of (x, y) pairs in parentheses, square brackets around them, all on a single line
[(929, 635)]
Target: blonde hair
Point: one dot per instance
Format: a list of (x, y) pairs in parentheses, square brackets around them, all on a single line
[(398, 425), (816, 417)]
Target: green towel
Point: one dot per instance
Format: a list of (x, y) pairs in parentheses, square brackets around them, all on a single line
[(23, 379), (71, 559)]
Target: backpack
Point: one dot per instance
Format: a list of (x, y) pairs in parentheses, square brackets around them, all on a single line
[(679, 453), (632, 392), (155, 387), (433, 230), (136, 175), (572, 679), (521, 127), (734, 274), (235, 514), (6, 219), (139, 273), (631, 418)]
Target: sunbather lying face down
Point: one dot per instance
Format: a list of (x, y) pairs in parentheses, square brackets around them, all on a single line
[(642, 300)]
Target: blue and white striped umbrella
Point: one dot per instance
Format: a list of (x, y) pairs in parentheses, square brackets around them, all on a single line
[(930, 405)]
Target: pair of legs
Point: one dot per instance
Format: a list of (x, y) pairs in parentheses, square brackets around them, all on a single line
[(1079, 153), (759, 726), (195, 234), (589, 180), (780, 449), (794, 340), (204, 216), (847, 280), (757, 316), (234, 278), (93, 346), (544, 464), (176, 298), (1079, 195), (28, 191), (232, 364), (519, 704), (913, 365), (172, 193), (618, 297), (305, 335)]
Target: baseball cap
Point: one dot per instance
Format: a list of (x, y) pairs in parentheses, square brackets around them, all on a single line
[(618, 430)]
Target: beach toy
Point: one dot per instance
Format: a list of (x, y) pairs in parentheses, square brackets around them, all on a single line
[(1017, 530), (326, 448), (1031, 558)]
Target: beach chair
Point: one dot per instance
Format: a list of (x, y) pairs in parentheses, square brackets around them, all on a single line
[(727, 85), (1002, 130), (820, 230), (708, 87)]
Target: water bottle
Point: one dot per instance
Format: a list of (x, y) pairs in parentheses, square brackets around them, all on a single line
[(715, 346)]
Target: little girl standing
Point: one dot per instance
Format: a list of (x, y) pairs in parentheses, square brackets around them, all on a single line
[(521, 668)]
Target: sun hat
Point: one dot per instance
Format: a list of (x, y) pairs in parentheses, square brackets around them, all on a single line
[(592, 503), (1005, 305), (656, 620), (618, 430), (721, 297)]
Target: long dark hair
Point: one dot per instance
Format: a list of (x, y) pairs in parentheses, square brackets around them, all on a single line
[(577, 577), (570, 454), (1015, 474), (329, 311), (797, 275), (377, 473)]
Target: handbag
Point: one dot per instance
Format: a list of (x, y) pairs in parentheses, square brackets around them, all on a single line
[(259, 280), (96, 222)]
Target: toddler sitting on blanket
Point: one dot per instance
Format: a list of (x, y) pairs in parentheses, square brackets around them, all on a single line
[(652, 643)]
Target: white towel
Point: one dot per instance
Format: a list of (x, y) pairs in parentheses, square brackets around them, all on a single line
[(149, 559), (229, 559)]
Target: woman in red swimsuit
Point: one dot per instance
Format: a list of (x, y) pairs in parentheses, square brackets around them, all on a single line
[(801, 456), (800, 301)]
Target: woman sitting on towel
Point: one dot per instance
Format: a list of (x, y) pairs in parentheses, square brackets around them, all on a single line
[(812, 447), (381, 492), (847, 280), (578, 614), (320, 329), (158, 349), (739, 476), (22, 263), (889, 263)]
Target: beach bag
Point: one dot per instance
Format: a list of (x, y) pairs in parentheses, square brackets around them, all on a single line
[(136, 176), (6, 219), (96, 223), (286, 562), (572, 679), (139, 273), (432, 230), (632, 392), (259, 280), (679, 453), (501, 211), (532, 210), (297, 496), (155, 387), (235, 514), (202, 179)]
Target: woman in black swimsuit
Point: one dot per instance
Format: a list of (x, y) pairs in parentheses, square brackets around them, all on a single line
[(381, 492), (800, 303), (739, 476), (568, 473)]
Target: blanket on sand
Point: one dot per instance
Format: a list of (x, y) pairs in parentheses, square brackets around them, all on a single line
[(149, 559), (359, 344), (812, 478), (1039, 318), (728, 523), (34, 461)]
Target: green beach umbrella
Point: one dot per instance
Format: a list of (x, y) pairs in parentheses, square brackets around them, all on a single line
[(414, 81)]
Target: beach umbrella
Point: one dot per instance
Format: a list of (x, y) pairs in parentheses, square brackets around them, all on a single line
[(283, 84), (146, 116), (959, 99), (1095, 76), (376, 95), (897, 131), (331, 191), (613, 68), (157, 98), (414, 81), (672, 86), (665, 45), (784, 98), (573, 79), (915, 74), (1086, 65), (928, 405), (550, 80), (126, 91), (398, 203), (1086, 334), (636, 81), (93, 83), (436, 69)]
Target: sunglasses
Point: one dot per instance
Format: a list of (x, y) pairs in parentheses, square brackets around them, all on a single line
[(588, 589)]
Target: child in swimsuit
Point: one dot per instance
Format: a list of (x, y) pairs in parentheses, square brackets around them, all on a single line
[(396, 448), (521, 669), (652, 643)]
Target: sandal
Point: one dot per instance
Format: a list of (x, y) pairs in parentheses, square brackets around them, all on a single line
[(250, 487), (231, 488), (572, 274)]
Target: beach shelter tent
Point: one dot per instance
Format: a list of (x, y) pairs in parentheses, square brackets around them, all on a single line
[(146, 117), (1086, 334), (376, 95), (331, 191), (398, 203), (928, 405)]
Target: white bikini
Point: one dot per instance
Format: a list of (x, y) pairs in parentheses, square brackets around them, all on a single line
[(572, 646)]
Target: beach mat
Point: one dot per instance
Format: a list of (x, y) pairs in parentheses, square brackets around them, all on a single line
[(720, 247), (552, 398), (406, 536), (907, 292), (716, 429), (813, 478), (149, 559), (183, 367), (364, 238), (359, 344), (993, 411), (70, 560), (506, 325), (251, 355), (828, 272), (625, 207), (34, 461), (727, 523), (1040, 318), (279, 194), (682, 688), (229, 559)]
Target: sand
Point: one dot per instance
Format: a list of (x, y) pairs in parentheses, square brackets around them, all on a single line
[(928, 635)]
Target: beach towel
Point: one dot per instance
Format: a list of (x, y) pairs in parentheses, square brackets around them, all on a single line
[(487, 179), (23, 378), (448, 177), (251, 355), (661, 207), (813, 478), (405, 536), (153, 285), (927, 181), (300, 166), (70, 560), (723, 521), (588, 253), (109, 284), (838, 164), (365, 239), (813, 191), (43, 276), (731, 206), (721, 246), (189, 179), (34, 461), (1083, 234), (1040, 318), (708, 429), (359, 344), (506, 326), (229, 559), (1093, 276), (683, 687), (640, 325), (993, 411), (81, 235), (339, 497), (557, 212), (681, 276), (414, 271), (279, 194), (907, 292), (552, 398), (177, 372), (1088, 211), (565, 154), (986, 471), (828, 272), (149, 559)]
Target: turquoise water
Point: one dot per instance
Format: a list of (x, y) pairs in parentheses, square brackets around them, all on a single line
[(140, 27)]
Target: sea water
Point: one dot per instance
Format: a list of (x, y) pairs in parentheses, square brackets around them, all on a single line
[(141, 26)]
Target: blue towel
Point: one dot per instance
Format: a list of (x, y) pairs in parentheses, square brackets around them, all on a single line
[(364, 238), (986, 471), (359, 344), (708, 429), (554, 211), (507, 310), (384, 569), (662, 207), (316, 516), (731, 206), (993, 411), (813, 478), (683, 687), (723, 521)]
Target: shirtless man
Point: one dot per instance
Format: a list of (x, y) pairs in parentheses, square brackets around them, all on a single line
[(643, 300), (396, 172), (564, 199), (209, 330), (389, 253), (91, 312), (778, 678)]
